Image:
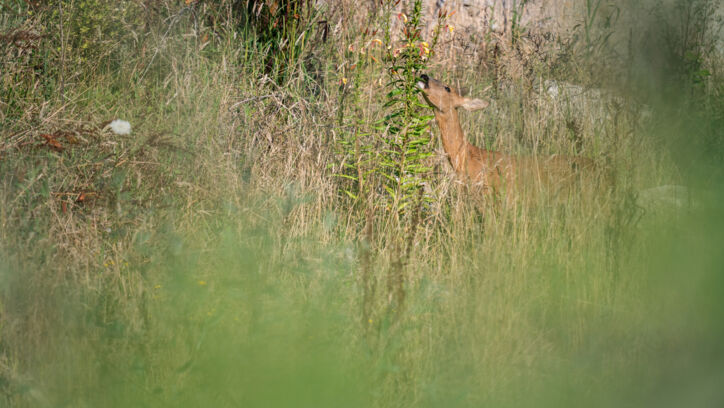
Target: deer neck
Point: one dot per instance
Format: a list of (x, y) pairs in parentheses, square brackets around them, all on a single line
[(453, 140)]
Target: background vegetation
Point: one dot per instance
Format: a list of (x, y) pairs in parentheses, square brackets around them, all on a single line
[(216, 256)]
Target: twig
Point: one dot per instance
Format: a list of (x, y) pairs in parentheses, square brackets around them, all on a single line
[(62, 53)]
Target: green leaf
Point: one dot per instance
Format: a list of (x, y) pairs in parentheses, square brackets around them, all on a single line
[(390, 192), (347, 177), (390, 103), (392, 116)]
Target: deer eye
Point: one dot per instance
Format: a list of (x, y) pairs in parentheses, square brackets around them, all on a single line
[(447, 88)]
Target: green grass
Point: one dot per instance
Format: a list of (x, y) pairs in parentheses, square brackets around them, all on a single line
[(213, 260)]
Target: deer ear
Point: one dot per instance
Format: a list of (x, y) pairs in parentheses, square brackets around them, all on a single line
[(474, 104)]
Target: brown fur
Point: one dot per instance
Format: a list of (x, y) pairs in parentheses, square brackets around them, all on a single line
[(492, 170)]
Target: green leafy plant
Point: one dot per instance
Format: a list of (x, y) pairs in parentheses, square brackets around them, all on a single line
[(283, 29), (388, 162), (395, 150), (516, 27), (94, 29), (405, 137)]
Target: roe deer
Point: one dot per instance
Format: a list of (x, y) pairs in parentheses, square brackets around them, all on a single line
[(492, 170)]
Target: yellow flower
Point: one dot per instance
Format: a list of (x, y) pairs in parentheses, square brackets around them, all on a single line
[(202, 283), (450, 29), (344, 81), (424, 49), (157, 287)]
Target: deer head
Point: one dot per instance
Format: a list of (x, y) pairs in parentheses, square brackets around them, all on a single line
[(464, 157), (444, 98)]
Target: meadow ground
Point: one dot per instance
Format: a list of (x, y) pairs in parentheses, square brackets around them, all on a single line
[(212, 258)]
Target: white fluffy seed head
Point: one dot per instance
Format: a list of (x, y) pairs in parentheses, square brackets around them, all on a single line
[(120, 127)]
